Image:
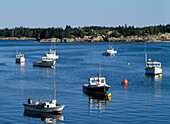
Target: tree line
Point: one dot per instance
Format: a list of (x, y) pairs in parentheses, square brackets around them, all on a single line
[(69, 32)]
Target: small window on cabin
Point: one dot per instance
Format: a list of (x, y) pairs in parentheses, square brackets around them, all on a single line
[(47, 106), (94, 81), (102, 81)]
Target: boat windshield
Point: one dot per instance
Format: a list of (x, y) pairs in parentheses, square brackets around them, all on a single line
[(51, 52), (46, 59), (96, 81), (110, 48), (19, 55), (153, 64)]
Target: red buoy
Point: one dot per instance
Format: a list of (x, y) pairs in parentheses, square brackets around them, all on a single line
[(125, 82)]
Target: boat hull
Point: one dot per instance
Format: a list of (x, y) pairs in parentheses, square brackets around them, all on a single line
[(20, 60), (96, 90), (53, 57), (153, 70), (109, 53), (44, 63), (38, 108), (43, 116)]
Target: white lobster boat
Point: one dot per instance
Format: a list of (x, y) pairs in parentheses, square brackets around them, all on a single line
[(44, 107), (153, 68), (110, 52), (97, 85), (51, 54), (46, 62), (20, 57)]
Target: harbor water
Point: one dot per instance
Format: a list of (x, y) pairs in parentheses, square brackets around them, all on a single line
[(144, 100)]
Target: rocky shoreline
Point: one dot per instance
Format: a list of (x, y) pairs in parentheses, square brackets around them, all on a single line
[(148, 38), (17, 38)]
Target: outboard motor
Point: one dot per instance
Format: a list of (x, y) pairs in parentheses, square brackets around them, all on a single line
[(30, 101)]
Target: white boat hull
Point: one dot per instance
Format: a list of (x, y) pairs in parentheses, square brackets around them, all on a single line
[(20, 60), (56, 57), (109, 53), (53, 57), (48, 117), (153, 70), (32, 107), (44, 63)]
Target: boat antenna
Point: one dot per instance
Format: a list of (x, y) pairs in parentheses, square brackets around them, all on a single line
[(16, 50), (145, 53), (100, 70), (99, 74), (50, 97), (54, 91), (54, 86)]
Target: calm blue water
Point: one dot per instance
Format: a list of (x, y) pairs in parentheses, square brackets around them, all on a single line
[(145, 99)]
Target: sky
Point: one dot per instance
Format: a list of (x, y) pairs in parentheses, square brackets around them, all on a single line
[(80, 13)]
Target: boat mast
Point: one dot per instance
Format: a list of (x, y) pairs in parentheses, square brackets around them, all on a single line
[(99, 75), (145, 54), (98, 79), (54, 86), (54, 91), (100, 70)]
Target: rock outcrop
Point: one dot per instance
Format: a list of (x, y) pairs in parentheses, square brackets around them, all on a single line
[(17, 38)]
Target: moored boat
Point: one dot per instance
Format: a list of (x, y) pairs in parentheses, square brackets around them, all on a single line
[(153, 68), (97, 85), (46, 107), (46, 62), (52, 55), (110, 52), (20, 57)]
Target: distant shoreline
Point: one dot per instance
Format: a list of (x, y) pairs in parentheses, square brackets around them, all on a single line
[(159, 33), (149, 38)]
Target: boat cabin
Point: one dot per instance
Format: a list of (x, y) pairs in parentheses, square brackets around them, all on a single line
[(19, 55), (110, 48), (43, 104), (50, 53), (97, 81), (47, 59), (50, 104), (153, 64)]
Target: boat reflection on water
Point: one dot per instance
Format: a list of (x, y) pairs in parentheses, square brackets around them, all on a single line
[(153, 78), (20, 64), (154, 82), (47, 117), (97, 103)]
